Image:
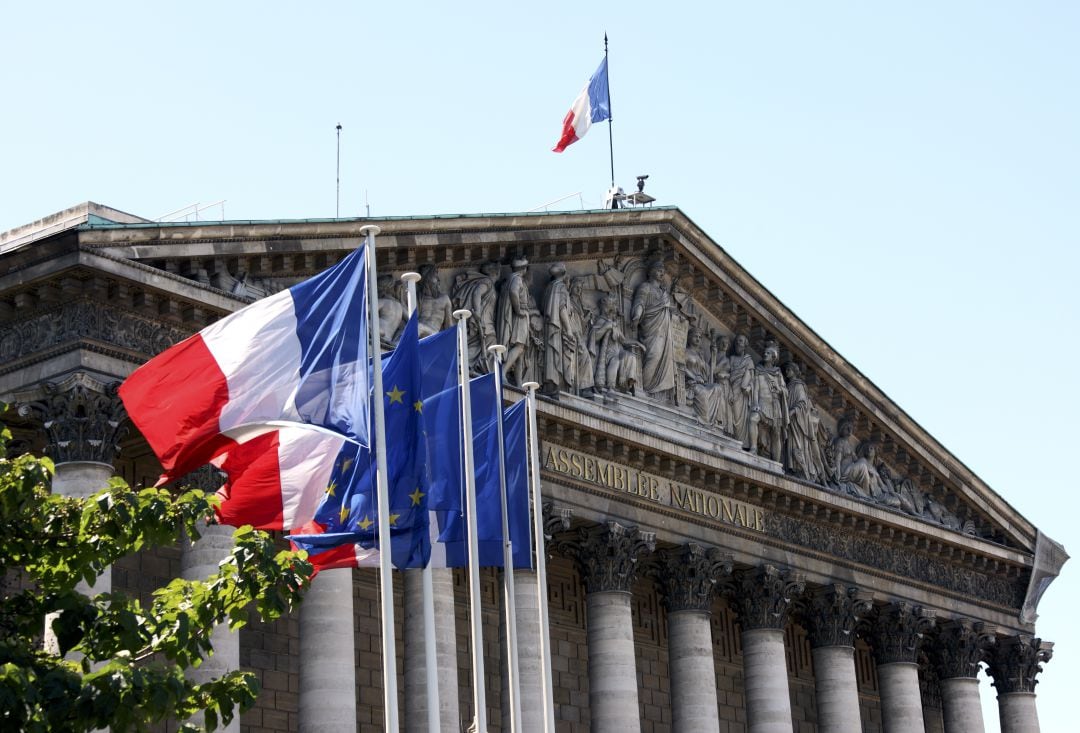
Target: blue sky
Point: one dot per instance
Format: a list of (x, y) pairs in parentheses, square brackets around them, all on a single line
[(906, 178)]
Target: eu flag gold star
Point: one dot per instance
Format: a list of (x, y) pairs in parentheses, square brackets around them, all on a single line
[(418, 406), (365, 523), (330, 489), (416, 496), (344, 513), (393, 519), (395, 395), (346, 464)]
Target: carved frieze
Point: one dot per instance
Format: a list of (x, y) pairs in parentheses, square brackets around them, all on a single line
[(608, 555), (82, 417), (888, 558), (83, 319), (896, 630), (960, 646), (689, 576), (763, 596), (1016, 661), (832, 614)]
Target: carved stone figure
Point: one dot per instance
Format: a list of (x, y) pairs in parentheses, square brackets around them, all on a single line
[(652, 318), (769, 405), (584, 361), (742, 383), (512, 324), (391, 310), (721, 373), (710, 399), (562, 335), (618, 360), (434, 306), (841, 449), (804, 457), (475, 290), (861, 477)]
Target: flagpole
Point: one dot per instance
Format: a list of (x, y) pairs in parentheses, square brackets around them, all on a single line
[(541, 559), (509, 603), (427, 588), (386, 578), (611, 143), (479, 696)]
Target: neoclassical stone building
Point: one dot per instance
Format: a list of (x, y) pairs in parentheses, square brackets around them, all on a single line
[(745, 533)]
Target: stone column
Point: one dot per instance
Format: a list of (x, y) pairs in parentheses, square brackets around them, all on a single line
[(762, 603), (895, 634), (198, 561), (688, 577), (82, 419), (416, 710), (930, 692), (607, 557), (833, 612), (959, 647), (1013, 665), (530, 663), (327, 699)]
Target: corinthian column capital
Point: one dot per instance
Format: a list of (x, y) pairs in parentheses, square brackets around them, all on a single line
[(82, 418), (689, 574), (959, 647), (763, 597), (607, 555), (832, 614), (896, 632), (1016, 661)]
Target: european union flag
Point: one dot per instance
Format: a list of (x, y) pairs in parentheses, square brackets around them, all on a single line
[(349, 515)]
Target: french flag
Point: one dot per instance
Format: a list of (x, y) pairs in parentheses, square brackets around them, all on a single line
[(275, 480), (298, 356), (592, 105)]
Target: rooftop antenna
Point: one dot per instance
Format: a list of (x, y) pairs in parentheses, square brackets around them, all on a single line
[(337, 205), (367, 205)]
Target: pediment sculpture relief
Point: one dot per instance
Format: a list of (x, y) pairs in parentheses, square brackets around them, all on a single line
[(630, 329)]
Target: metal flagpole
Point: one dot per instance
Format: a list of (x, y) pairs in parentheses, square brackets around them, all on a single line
[(541, 559), (427, 590), (611, 144), (386, 579), (509, 604), (479, 696)]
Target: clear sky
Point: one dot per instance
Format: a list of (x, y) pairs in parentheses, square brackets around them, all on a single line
[(906, 178)]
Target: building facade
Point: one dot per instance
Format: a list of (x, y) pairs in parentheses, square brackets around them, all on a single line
[(744, 532)]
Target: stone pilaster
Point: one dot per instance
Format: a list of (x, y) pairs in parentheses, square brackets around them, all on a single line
[(959, 647), (832, 614), (607, 557), (762, 601), (895, 634), (689, 577), (1014, 664)]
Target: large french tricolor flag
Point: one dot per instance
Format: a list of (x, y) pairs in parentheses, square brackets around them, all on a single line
[(592, 105), (298, 356)]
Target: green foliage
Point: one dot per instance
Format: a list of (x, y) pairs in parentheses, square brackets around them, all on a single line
[(126, 665)]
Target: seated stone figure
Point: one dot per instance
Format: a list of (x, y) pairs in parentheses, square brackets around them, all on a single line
[(861, 478), (617, 358)]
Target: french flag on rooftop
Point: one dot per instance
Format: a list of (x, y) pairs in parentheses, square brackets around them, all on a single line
[(299, 356), (592, 105)]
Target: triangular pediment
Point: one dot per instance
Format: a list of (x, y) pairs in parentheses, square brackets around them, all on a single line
[(682, 356)]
